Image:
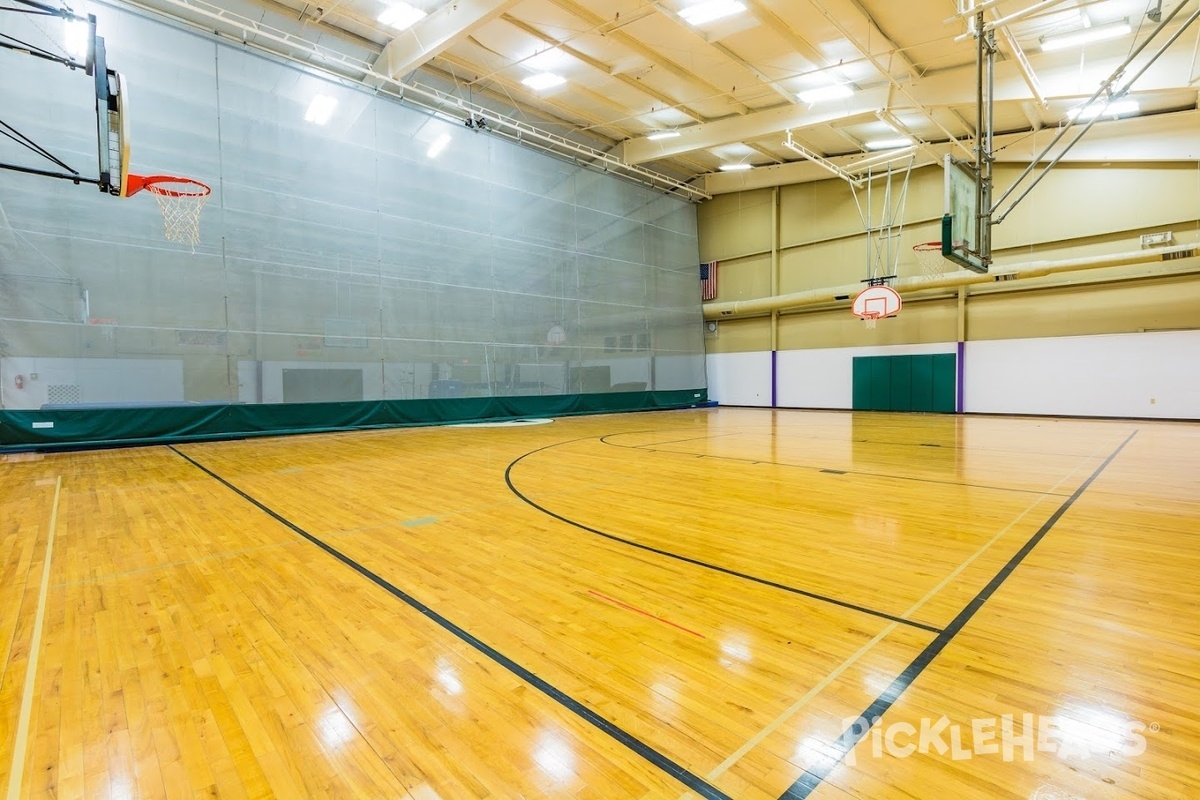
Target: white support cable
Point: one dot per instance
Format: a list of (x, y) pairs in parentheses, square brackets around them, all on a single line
[(886, 115), (1106, 88), (328, 60)]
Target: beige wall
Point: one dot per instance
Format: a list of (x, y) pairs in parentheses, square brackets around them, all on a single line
[(1078, 210)]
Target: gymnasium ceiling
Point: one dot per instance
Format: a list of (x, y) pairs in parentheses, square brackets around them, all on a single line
[(731, 88)]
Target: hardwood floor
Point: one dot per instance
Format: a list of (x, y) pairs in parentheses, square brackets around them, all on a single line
[(657, 605)]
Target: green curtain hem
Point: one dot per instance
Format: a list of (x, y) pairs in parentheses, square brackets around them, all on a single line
[(71, 429)]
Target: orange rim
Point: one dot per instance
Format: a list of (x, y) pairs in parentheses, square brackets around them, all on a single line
[(161, 185)]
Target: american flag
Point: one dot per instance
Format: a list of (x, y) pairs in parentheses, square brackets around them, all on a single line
[(708, 281)]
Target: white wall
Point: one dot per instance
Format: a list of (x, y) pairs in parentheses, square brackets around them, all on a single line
[(825, 378), (740, 379), (99, 380), (1119, 375)]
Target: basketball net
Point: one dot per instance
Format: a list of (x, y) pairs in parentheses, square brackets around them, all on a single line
[(181, 215), (179, 199), (929, 258)]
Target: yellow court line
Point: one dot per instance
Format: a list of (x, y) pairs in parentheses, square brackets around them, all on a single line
[(791, 710), (16, 774)]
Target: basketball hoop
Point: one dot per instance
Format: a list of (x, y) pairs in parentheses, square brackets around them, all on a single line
[(929, 256), (874, 303), (180, 199), (108, 326)]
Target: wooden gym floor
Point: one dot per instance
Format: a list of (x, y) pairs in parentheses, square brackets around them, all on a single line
[(659, 605)]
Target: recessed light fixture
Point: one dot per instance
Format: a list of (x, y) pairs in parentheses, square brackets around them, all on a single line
[(437, 146), (1103, 109), (75, 37), (738, 167), (320, 109), (1086, 36), (401, 15), (654, 137), (889, 144), (544, 80), (835, 92), (710, 11)]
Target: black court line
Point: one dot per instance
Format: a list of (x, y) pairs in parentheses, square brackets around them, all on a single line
[(671, 441), (649, 448), (813, 778), (688, 779), (689, 560)]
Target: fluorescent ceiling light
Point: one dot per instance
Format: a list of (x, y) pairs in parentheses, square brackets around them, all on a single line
[(76, 33), (654, 137), (738, 167), (835, 92), (1086, 36), (711, 10), (1103, 109), (320, 109), (401, 15), (438, 145), (544, 80), (889, 144)]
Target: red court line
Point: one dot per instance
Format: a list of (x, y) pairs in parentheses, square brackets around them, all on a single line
[(636, 610)]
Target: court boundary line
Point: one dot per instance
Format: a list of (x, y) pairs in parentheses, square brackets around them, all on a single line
[(798, 704), (649, 448), (695, 561), (16, 773), (654, 757), (811, 779)]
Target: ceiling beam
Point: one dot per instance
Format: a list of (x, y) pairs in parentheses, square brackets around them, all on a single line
[(596, 64), (571, 115), (1162, 138), (771, 20), (950, 88), (433, 34), (890, 47), (1062, 81), (767, 80), (1026, 69), (885, 71), (650, 54), (755, 126)]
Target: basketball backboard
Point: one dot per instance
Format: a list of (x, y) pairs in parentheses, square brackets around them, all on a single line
[(962, 241), (73, 43)]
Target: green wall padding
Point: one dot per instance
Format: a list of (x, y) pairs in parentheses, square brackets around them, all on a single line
[(922, 383), (943, 382), (901, 382), (62, 429), (905, 383), (881, 384), (862, 384)]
